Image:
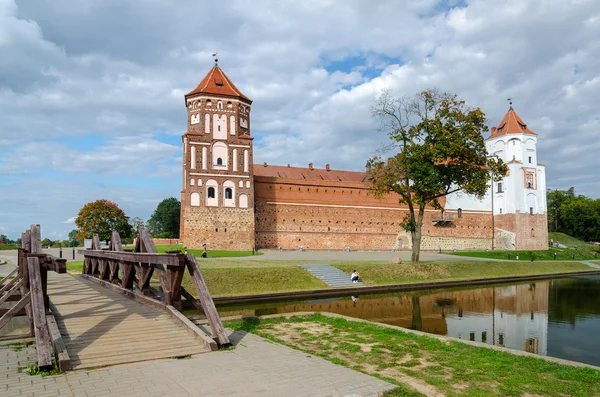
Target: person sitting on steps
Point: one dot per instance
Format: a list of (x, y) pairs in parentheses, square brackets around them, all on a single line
[(354, 277)]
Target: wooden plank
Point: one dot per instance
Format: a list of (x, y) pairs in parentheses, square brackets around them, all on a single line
[(15, 288), (23, 240), (36, 240), (9, 285), (8, 277), (131, 294), (14, 310), (190, 298), (96, 242), (115, 266), (27, 246), (192, 328), (210, 311), (174, 278), (42, 336), (127, 274), (60, 349), (142, 257), (20, 313), (24, 274)]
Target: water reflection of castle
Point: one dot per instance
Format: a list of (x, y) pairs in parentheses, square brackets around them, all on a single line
[(513, 316)]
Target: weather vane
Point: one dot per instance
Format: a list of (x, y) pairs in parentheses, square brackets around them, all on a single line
[(215, 56), (509, 101)]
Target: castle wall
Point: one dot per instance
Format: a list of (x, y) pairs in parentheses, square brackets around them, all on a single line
[(530, 231), (334, 215), (219, 228)]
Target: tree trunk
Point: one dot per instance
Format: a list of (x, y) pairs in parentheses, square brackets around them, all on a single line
[(416, 235)]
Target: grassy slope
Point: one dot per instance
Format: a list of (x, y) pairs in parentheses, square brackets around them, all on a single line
[(561, 254), (436, 271), (566, 239), (241, 281), (452, 368), (210, 253), (227, 278)]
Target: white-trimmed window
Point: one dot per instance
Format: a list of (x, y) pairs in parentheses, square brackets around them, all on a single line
[(219, 155), (212, 193), (228, 194)]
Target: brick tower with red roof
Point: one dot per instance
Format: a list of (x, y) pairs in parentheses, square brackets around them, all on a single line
[(217, 199)]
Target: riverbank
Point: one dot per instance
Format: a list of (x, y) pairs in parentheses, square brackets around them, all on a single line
[(280, 278), (425, 365)]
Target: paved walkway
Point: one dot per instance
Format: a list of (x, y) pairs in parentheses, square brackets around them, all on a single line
[(255, 367)]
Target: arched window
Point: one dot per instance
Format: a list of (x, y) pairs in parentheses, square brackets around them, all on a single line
[(229, 105), (219, 161), (195, 200), (459, 211), (243, 201), (219, 105), (228, 193), (208, 102), (211, 192)]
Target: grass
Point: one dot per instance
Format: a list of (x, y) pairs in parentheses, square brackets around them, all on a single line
[(545, 255), (240, 281), (434, 366), (210, 253), (567, 240), (374, 274), (231, 277)]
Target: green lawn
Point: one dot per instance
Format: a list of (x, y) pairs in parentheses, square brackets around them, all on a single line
[(241, 281), (567, 240), (546, 255), (210, 253), (374, 274), (402, 358)]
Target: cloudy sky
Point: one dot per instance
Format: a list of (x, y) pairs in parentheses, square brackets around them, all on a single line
[(91, 91)]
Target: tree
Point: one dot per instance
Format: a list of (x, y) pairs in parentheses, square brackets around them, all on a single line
[(46, 242), (73, 240), (136, 223), (554, 200), (102, 217), (165, 219), (439, 150)]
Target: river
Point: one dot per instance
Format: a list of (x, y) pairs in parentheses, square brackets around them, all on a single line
[(554, 317)]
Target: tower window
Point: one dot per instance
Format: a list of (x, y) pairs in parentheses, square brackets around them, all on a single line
[(219, 161), (228, 193), (211, 192), (500, 187), (500, 210), (529, 159), (530, 210), (459, 212)]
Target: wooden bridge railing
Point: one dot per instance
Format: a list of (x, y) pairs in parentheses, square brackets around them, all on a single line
[(131, 270), (27, 285)]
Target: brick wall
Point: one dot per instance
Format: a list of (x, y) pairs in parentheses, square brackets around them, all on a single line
[(219, 228), (336, 215), (531, 231)]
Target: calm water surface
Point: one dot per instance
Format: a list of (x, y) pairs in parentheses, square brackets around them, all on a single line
[(557, 317)]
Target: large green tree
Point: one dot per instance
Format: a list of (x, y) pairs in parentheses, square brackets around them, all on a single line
[(438, 150), (102, 217), (165, 219)]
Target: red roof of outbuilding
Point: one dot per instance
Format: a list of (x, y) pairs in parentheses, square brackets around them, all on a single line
[(308, 174), (216, 82), (511, 124)]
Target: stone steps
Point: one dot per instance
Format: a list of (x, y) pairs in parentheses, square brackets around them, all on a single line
[(330, 275)]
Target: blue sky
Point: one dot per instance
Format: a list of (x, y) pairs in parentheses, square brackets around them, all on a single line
[(91, 92)]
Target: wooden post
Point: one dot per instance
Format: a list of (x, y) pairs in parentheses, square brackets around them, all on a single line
[(42, 336), (24, 274), (27, 246), (36, 240), (115, 266), (15, 309), (147, 245), (206, 301)]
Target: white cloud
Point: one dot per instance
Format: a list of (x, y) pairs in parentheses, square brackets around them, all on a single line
[(119, 70), (71, 220)]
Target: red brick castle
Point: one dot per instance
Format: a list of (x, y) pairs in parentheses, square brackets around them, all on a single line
[(230, 203)]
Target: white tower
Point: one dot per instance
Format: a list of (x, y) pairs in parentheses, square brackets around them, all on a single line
[(520, 198)]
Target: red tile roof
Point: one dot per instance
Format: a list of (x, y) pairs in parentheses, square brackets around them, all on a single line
[(307, 174), (217, 82), (511, 124)]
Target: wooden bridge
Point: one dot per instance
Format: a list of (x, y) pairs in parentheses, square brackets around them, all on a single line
[(111, 314)]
